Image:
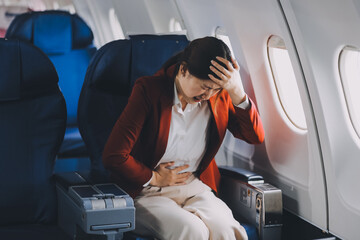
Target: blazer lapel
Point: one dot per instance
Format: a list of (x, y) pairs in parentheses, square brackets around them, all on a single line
[(214, 115), (213, 137), (166, 103)]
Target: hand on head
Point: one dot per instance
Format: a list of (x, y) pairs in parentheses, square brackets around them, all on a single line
[(228, 78)]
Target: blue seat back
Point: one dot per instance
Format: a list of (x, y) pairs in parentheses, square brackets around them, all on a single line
[(109, 80), (32, 126), (68, 42), (108, 84)]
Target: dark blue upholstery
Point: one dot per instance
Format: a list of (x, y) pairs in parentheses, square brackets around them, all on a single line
[(67, 41), (109, 80), (149, 52), (103, 97), (250, 230), (32, 232), (108, 83), (32, 127)]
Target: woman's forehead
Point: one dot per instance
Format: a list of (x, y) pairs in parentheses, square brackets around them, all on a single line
[(210, 84), (206, 82)]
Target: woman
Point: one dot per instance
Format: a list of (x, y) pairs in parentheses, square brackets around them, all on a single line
[(161, 149)]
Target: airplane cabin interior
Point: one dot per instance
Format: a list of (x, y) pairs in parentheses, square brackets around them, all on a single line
[(68, 67)]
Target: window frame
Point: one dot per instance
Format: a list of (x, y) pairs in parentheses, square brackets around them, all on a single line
[(350, 104), (275, 41)]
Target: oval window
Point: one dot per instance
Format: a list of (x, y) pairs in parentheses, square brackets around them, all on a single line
[(175, 25), (115, 25), (285, 82), (349, 66), (220, 33)]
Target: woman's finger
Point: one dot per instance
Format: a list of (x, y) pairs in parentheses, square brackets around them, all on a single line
[(183, 177), (223, 70), (180, 180), (217, 72), (179, 169), (226, 62), (179, 184), (235, 64), (216, 80), (168, 165)]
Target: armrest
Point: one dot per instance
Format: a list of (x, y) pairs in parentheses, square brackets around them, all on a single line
[(95, 177), (87, 207), (252, 201), (241, 174), (68, 179)]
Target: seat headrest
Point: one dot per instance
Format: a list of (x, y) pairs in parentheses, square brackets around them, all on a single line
[(150, 52), (25, 71), (116, 65), (109, 69), (52, 31)]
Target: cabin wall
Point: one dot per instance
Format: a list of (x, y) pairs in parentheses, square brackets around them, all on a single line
[(290, 157), (200, 17), (316, 167), (321, 29), (161, 13)]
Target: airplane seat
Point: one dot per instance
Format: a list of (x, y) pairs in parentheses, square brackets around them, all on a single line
[(147, 55), (107, 86), (108, 83), (32, 127), (68, 42), (103, 97)]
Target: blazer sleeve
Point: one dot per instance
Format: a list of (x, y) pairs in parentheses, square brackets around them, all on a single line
[(116, 155), (246, 124)]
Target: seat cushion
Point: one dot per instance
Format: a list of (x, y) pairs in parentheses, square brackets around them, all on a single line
[(250, 230), (73, 145), (71, 68), (67, 40), (32, 232)]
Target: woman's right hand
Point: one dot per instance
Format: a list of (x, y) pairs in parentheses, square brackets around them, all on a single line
[(164, 176)]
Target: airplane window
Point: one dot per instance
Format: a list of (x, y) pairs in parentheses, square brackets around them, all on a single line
[(285, 81), (115, 25), (349, 64), (174, 25), (8, 13), (66, 5), (220, 33)]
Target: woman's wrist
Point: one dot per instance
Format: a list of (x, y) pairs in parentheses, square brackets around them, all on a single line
[(237, 95), (153, 181)]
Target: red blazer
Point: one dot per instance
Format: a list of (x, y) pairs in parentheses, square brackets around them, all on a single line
[(139, 137)]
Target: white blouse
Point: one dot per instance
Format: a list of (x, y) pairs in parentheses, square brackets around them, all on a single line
[(188, 133), (187, 136)]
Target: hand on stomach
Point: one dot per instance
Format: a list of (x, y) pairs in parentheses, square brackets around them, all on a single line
[(170, 174)]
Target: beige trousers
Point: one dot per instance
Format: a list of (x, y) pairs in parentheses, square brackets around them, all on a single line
[(188, 212)]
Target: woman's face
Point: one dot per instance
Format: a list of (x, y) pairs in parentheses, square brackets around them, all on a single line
[(192, 89)]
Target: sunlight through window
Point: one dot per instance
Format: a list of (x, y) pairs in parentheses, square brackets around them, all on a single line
[(115, 25), (349, 64), (174, 25), (285, 81), (220, 33)]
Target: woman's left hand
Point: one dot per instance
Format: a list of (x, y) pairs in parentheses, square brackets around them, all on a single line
[(228, 78)]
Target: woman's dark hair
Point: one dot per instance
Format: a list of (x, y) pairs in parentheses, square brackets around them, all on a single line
[(197, 55)]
